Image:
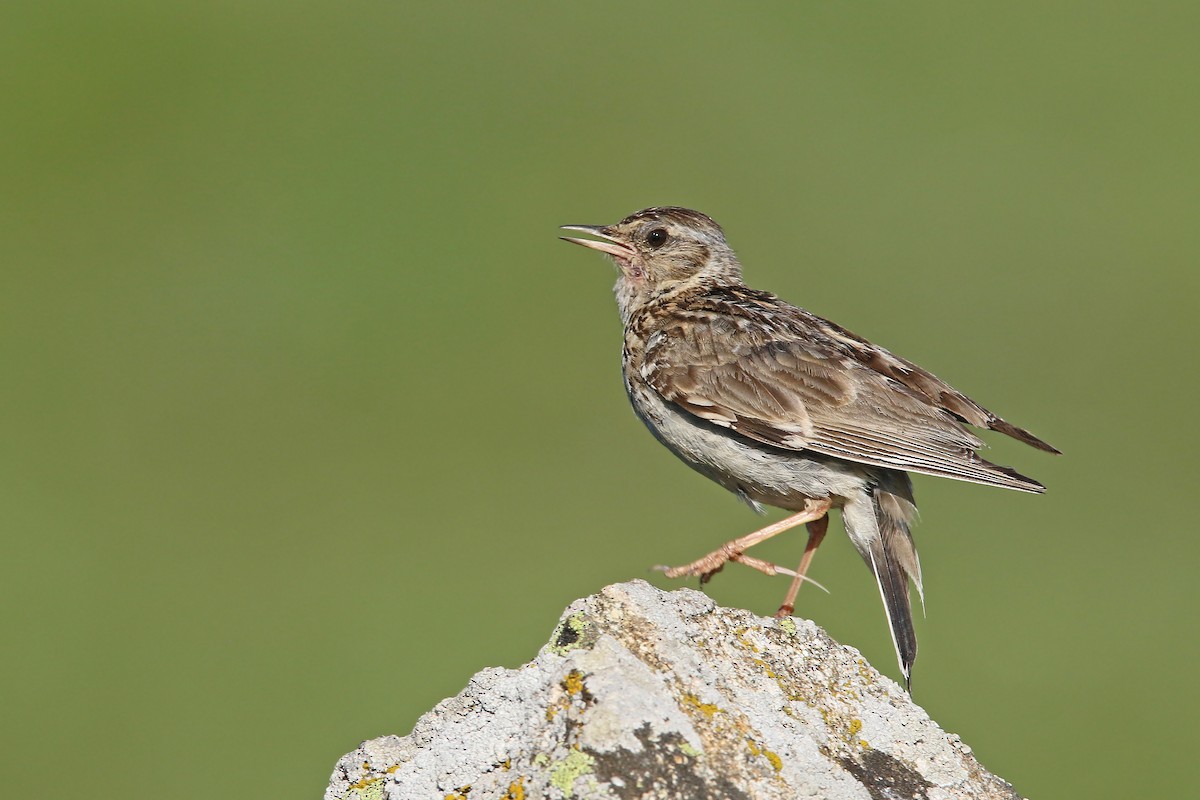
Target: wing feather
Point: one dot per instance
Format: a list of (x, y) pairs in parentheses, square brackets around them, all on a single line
[(796, 381)]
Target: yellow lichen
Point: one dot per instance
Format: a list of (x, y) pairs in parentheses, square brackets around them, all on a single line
[(740, 633), (573, 683), (770, 673), (516, 790), (363, 783), (757, 750), (707, 709)]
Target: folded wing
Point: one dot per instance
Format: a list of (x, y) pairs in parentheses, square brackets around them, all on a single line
[(803, 383)]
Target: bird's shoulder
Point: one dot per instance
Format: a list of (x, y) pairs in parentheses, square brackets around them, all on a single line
[(746, 360), (768, 337), (727, 322)]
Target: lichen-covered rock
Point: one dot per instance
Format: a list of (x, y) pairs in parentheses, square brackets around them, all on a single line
[(648, 694)]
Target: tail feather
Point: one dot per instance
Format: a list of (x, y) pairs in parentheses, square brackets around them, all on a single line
[(1022, 435), (878, 524)]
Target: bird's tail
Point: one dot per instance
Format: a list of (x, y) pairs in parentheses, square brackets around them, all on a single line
[(878, 523)]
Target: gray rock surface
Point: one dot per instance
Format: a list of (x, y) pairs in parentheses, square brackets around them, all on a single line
[(642, 693)]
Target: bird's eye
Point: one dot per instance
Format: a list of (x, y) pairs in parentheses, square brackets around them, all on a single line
[(656, 237)]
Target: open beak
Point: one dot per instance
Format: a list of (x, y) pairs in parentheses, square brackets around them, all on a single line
[(610, 244)]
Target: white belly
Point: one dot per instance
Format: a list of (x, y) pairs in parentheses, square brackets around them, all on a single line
[(759, 472)]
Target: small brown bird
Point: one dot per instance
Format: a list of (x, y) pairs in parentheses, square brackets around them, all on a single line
[(785, 408)]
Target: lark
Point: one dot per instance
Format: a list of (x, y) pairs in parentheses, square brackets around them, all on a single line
[(786, 409)]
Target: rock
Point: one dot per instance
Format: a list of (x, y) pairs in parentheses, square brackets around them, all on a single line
[(642, 693)]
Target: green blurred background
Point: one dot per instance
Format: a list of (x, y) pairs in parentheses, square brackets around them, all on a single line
[(307, 415)]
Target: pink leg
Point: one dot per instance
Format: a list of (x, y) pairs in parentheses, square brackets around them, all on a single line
[(712, 563), (816, 532)]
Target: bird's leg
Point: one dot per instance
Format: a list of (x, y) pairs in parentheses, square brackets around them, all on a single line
[(710, 564), (816, 532)]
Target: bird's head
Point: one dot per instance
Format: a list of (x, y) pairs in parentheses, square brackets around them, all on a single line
[(659, 250)]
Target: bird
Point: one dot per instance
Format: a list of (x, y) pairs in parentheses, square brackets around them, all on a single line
[(785, 408)]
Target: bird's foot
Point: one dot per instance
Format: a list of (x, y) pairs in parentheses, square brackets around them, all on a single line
[(715, 561)]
